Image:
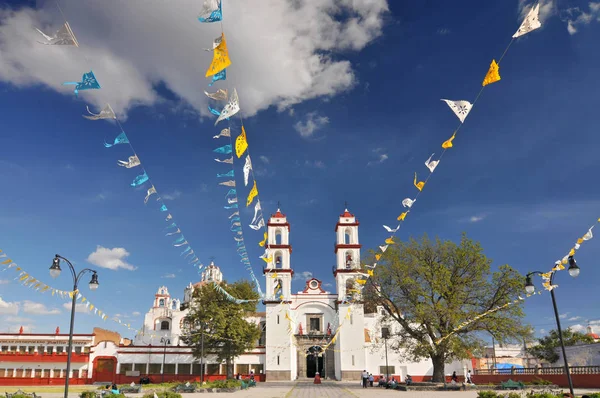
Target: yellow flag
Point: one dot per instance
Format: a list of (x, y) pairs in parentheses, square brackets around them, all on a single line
[(70, 294), (377, 257), (274, 275), (370, 272), (572, 252), (419, 184), (220, 58), (402, 216), (448, 143), (83, 299), (241, 144), (253, 193), (493, 74), (389, 241), (361, 281), (6, 261), (24, 277), (91, 307), (262, 243), (579, 241), (44, 288), (267, 259)]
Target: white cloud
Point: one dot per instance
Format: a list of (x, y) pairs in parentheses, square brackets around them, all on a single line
[(264, 159), (328, 284), (563, 316), (547, 9), (8, 308), (319, 164), (575, 318), (283, 52), (110, 258), (382, 158), (543, 331), (303, 276), (4, 281), (18, 319), (477, 218), (578, 18), (168, 276), (312, 123), (171, 196), (78, 307), (578, 328), (31, 307), (136, 313)]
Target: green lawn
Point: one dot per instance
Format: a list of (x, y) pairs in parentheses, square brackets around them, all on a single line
[(42, 389)]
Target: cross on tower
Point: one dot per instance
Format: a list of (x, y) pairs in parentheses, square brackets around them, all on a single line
[(212, 259), (345, 205), (278, 205)]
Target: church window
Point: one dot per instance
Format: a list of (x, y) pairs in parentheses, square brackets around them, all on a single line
[(351, 320), (278, 319), (164, 325), (278, 238), (314, 323), (389, 370), (349, 260), (277, 359), (352, 360), (278, 260), (385, 333), (262, 340), (161, 302), (174, 305)]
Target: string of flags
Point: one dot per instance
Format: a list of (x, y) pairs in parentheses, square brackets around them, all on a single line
[(461, 109), (65, 36), (212, 12)]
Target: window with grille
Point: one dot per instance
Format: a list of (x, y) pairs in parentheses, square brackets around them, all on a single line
[(389, 371), (213, 369), (126, 367)]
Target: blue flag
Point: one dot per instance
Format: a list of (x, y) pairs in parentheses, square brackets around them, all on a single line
[(211, 12), (88, 82), (139, 180), (224, 149), (218, 76), (120, 139), (228, 174)]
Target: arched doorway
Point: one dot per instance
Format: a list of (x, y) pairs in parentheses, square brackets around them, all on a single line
[(314, 361)]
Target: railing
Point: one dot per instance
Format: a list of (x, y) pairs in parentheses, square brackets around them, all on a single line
[(583, 370)]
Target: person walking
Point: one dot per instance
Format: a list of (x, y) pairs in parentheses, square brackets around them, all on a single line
[(365, 378), (371, 380)]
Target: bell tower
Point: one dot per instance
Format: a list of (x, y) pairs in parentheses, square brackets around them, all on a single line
[(347, 252), (278, 271), (351, 359)]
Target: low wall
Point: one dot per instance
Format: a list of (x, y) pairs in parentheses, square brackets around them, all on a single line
[(579, 380), (122, 379), (39, 381)]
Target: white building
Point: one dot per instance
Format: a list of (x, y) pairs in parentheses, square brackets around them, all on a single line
[(297, 328)]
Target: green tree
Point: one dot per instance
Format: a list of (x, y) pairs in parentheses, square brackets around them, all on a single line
[(430, 288), (222, 322), (546, 347)]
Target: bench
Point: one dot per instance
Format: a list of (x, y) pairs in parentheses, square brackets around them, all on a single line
[(19, 392), (512, 385), (130, 389), (185, 388), (252, 383)]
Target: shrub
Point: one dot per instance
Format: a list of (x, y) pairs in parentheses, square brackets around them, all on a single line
[(230, 383), (540, 382), (513, 395), (88, 394), (163, 394), (487, 394)]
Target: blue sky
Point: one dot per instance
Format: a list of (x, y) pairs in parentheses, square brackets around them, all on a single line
[(519, 178)]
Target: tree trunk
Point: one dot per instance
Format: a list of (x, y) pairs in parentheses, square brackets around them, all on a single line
[(438, 368), (229, 367)]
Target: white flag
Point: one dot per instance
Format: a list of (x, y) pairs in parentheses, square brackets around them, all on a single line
[(408, 202), (223, 133), (431, 164), (391, 230), (261, 224), (247, 168), (230, 183), (220, 95), (257, 209), (131, 162), (531, 22), (63, 37), (383, 248), (232, 107), (173, 233), (460, 108), (151, 191), (169, 217), (588, 235), (229, 160), (105, 113), (236, 213), (231, 200)]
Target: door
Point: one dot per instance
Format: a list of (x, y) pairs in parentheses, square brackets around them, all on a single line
[(104, 370)]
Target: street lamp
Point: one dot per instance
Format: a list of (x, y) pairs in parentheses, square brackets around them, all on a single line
[(55, 272), (530, 288), (165, 341)]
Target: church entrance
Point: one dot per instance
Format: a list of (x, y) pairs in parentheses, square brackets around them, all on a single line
[(314, 361)]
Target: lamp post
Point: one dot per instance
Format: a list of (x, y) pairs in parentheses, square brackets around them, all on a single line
[(385, 334), (202, 356), (165, 341), (530, 288), (54, 272)]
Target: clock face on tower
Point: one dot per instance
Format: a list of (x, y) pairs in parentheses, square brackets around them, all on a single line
[(314, 284)]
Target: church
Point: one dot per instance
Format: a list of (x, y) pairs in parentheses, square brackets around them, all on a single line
[(303, 333)]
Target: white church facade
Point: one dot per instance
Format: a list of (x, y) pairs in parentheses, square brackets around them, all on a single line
[(297, 328)]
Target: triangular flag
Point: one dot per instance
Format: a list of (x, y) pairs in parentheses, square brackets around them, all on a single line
[(588, 235), (262, 243), (431, 164), (241, 144), (493, 74), (220, 95), (247, 169), (419, 185), (448, 143), (390, 229), (383, 248), (105, 113), (389, 241), (402, 216), (63, 37), (531, 22), (460, 108), (253, 193), (408, 202), (150, 192), (220, 58), (224, 133), (232, 107)]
